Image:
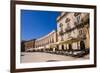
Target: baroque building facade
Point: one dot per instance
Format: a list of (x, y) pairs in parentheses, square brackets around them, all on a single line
[(73, 31)]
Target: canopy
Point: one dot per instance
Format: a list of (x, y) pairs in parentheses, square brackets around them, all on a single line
[(69, 41)]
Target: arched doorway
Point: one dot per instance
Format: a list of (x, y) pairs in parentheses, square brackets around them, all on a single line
[(82, 45), (70, 47), (62, 47), (57, 48)]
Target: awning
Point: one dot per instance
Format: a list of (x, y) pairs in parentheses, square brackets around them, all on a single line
[(54, 45), (70, 41)]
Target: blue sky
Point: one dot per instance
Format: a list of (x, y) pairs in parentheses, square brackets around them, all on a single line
[(35, 24)]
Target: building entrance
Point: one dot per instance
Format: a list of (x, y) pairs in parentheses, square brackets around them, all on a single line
[(82, 45), (62, 47), (70, 47)]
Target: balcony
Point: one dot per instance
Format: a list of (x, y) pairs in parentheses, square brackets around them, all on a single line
[(81, 25), (82, 36), (61, 32), (83, 22), (67, 29)]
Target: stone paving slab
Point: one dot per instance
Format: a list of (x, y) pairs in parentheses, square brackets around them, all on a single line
[(46, 57)]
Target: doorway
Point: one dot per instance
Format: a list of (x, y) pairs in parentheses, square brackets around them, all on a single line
[(70, 47), (62, 47), (82, 45)]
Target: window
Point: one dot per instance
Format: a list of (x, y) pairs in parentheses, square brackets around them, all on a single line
[(62, 38), (60, 25), (76, 14), (61, 32), (69, 35), (67, 20), (68, 27), (75, 23), (78, 19), (80, 32), (52, 40)]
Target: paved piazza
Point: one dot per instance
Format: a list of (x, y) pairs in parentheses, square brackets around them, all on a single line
[(46, 57)]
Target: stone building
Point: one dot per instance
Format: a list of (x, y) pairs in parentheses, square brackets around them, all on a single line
[(29, 45), (22, 46), (73, 31), (45, 42)]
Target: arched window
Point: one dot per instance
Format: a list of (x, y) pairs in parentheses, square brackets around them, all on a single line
[(67, 20)]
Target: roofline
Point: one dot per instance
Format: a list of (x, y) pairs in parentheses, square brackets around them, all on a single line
[(61, 17)]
